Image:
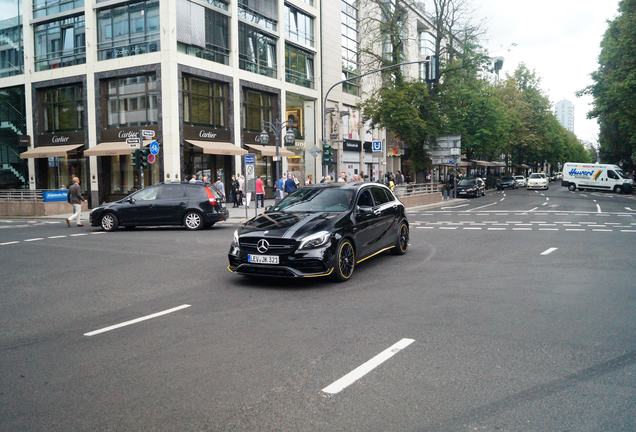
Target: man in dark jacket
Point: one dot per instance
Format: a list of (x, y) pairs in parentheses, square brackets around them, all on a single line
[(290, 184), (75, 199)]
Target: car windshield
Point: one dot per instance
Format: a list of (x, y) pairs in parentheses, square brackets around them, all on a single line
[(467, 182), (519, 177), (621, 173), (507, 179), (317, 200), (536, 176)]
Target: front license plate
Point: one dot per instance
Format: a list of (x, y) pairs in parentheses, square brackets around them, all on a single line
[(262, 259)]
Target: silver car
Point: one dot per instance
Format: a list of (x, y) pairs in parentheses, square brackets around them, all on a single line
[(520, 181), (538, 181)]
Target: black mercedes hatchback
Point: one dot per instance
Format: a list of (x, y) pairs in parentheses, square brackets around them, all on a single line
[(322, 230), (191, 205)]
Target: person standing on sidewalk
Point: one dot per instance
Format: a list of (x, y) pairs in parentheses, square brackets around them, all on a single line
[(260, 191), (75, 199)]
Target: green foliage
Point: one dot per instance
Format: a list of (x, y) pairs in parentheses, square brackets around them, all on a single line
[(614, 88)]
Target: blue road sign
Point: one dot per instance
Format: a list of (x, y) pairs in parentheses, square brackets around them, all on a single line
[(55, 196), (250, 158), (376, 146), (154, 148)]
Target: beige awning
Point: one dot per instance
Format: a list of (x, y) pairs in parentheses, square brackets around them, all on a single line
[(270, 150), (218, 148), (109, 149), (49, 151)]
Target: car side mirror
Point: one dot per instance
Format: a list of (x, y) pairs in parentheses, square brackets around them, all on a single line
[(131, 200), (268, 209), (364, 210)]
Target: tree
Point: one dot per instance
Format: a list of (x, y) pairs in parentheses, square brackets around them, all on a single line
[(614, 88)]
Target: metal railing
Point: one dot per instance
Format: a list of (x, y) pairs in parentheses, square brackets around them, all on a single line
[(414, 189), (21, 194)]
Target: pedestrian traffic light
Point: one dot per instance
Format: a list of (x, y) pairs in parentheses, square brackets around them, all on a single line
[(135, 158), (143, 157), (327, 155)]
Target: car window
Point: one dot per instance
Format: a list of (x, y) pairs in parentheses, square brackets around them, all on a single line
[(611, 174), (147, 194), (171, 192), (317, 200), (536, 176), (365, 200), (196, 192), (507, 179), (467, 182), (379, 195)]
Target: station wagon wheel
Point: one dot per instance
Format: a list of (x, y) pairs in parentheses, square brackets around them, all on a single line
[(345, 261), (192, 221), (109, 222), (402, 243)]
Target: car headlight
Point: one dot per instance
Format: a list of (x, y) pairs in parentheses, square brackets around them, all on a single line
[(315, 240), (235, 240)]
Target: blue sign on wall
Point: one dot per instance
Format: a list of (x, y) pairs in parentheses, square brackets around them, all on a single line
[(376, 146), (55, 196)]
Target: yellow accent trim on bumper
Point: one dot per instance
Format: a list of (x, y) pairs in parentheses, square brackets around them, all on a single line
[(374, 254), (229, 269), (320, 274)]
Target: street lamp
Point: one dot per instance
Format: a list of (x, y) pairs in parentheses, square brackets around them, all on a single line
[(277, 127), (357, 77)]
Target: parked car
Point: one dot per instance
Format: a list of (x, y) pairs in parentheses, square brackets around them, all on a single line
[(191, 205), (471, 186), (520, 181), (538, 181), (506, 183), (321, 230)]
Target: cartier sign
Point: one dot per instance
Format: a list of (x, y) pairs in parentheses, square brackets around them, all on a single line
[(206, 133), (60, 138), (121, 134)]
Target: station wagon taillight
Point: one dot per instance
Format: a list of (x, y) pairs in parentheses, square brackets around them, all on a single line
[(211, 196)]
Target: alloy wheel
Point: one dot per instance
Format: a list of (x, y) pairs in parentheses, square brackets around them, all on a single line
[(193, 221), (346, 260), (404, 237), (108, 222)]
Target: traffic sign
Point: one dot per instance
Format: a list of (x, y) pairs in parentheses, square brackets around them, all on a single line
[(250, 166), (133, 142), (376, 146), (154, 148), (147, 134), (314, 151), (151, 158)]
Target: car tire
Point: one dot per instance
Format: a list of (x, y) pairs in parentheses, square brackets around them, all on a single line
[(345, 262), (402, 242), (109, 222), (571, 187), (193, 221)]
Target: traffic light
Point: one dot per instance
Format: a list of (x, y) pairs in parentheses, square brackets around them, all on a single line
[(135, 158), (143, 157), (327, 155)]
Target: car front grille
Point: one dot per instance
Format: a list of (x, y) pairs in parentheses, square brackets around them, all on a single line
[(308, 265), (277, 246)]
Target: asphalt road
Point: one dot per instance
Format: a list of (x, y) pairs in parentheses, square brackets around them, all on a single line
[(496, 329)]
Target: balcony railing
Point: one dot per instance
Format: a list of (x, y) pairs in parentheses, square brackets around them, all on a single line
[(213, 53), (246, 64), (58, 59), (298, 78), (128, 46)]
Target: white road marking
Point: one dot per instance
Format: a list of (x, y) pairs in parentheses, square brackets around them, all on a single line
[(448, 228), (598, 209), (472, 228), (497, 229), (575, 229), (548, 229), (522, 229), (8, 243), (462, 205), (56, 237), (353, 376), (513, 222), (602, 230), (548, 251), (424, 227), (34, 239), (79, 234), (98, 232), (634, 231), (502, 199), (571, 225), (482, 214), (533, 209), (547, 198), (629, 208), (544, 204), (524, 224), (547, 224), (597, 226), (487, 205), (136, 320), (537, 222)]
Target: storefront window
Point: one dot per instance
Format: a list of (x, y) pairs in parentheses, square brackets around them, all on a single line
[(58, 172), (11, 50), (257, 51), (299, 66), (128, 30), (60, 43), (202, 32), (204, 102), (50, 7), (257, 109), (132, 101), (63, 108)]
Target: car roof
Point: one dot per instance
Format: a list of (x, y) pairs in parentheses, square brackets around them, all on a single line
[(350, 185)]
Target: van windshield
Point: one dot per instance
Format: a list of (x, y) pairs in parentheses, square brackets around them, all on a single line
[(622, 174)]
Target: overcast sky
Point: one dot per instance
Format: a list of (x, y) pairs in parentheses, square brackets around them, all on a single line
[(559, 39)]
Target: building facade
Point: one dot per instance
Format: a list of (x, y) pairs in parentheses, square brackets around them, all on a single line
[(564, 112)]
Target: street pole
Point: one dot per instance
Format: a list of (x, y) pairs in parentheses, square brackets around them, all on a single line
[(141, 168), (324, 100)]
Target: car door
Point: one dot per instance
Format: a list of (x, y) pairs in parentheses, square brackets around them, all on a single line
[(170, 205), (141, 212), (364, 225), (385, 209)]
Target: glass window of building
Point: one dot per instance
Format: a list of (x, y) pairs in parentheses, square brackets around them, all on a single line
[(257, 51), (11, 48), (260, 13), (50, 7), (299, 66), (132, 101), (205, 102), (299, 27), (257, 109), (12, 126), (203, 32), (63, 108), (60, 43), (350, 45), (128, 30)]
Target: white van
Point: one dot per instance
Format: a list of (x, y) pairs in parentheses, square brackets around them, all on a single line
[(596, 176)]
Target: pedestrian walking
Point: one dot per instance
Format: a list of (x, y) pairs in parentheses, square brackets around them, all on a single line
[(241, 188), (233, 191), (280, 187), (290, 184), (220, 187), (260, 191), (75, 198), (391, 183)]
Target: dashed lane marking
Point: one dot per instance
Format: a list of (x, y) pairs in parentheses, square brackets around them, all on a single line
[(472, 228), (366, 367), (56, 237), (602, 230), (626, 230), (79, 234), (497, 229), (522, 229), (598, 208), (575, 229), (548, 229), (34, 239), (548, 251), (136, 320), (9, 243)]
